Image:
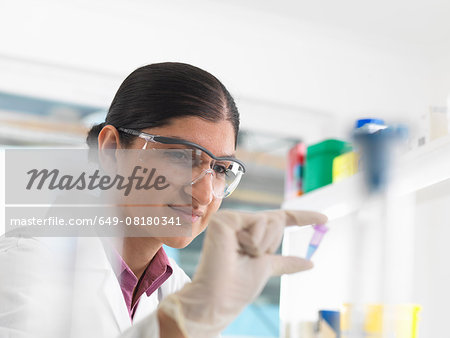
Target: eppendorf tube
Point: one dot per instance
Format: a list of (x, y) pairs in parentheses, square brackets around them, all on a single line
[(319, 231)]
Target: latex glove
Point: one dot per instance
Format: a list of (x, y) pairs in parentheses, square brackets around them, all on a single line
[(236, 262)]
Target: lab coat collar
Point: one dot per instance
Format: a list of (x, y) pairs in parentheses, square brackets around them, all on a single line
[(91, 258)]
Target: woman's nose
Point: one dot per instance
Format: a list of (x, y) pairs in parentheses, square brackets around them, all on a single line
[(202, 188)]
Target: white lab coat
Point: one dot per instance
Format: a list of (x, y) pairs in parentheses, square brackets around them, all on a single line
[(65, 287)]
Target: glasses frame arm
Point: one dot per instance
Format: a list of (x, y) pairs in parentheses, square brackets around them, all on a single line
[(172, 140)]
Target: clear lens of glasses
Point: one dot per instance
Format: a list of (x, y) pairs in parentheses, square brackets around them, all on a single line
[(225, 175)]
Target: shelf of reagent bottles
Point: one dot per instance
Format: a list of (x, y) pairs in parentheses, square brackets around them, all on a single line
[(413, 171)]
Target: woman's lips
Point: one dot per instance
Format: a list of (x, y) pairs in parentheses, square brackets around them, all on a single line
[(188, 214)]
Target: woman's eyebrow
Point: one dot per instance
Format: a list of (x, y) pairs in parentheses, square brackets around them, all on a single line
[(230, 156)]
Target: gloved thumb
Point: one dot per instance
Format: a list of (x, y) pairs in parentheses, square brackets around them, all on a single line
[(304, 217), (288, 264)]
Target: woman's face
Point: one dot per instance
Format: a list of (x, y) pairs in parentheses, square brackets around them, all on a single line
[(219, 139)]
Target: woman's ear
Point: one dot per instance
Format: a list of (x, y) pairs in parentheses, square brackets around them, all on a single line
[(108, 144)]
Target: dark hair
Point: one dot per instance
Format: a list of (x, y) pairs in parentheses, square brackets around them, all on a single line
[(154, 94)]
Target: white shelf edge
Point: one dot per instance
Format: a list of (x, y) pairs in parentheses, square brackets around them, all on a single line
[(416, 170)]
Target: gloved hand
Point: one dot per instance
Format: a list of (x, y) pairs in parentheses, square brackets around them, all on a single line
[(236, 262)]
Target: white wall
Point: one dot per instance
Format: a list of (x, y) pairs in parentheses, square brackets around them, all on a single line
[(432, 272), (2, 191), (441, 75), (288, 75)]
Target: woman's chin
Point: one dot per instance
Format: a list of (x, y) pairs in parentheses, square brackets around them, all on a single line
[(177, 242), (181, 242)]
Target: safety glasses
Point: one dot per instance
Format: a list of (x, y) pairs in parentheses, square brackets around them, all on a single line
[(224, 173)]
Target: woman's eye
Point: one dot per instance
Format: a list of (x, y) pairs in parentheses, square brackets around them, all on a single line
[(178, 156), (220, 169)]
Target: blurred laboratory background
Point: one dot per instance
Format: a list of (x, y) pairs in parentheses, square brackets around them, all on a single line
[(301, 72)]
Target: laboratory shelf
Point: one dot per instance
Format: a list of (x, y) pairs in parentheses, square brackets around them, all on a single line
[(412, 171), (389, 248)]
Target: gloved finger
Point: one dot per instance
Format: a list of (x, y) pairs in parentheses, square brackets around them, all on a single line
[(304, 217), (288, 264), (275, 241), (294, 217), (272, 237), (247, 244), (258, 242), (239, 220), (262, 232), (274, 232), (253, 233)]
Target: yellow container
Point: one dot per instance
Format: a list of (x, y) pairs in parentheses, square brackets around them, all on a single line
[(373, 324), (378, 320), (371, 316), (345, 165), (346, 325), (407, 320)]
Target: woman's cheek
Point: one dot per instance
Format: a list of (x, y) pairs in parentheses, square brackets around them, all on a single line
[(212, 209)]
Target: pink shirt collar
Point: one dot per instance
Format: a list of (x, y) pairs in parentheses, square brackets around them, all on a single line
[(156, 273)]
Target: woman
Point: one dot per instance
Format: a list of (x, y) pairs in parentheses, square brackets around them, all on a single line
[(128, 285), (179, 101)]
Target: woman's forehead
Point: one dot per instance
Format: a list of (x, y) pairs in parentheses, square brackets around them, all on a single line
[(217, 137)]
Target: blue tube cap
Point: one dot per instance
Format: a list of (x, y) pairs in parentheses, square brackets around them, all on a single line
[(361, 122)]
